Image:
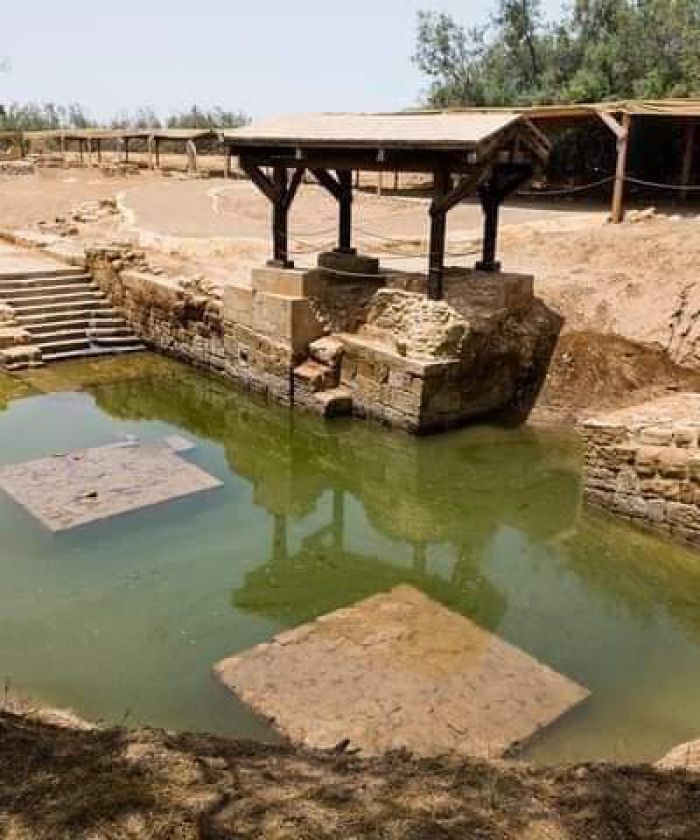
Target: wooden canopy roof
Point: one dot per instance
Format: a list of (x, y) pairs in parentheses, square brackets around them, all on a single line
[(411, 140), (73, 134)]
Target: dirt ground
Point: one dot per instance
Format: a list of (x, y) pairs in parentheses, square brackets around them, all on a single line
[(629, 294), (67, 784)]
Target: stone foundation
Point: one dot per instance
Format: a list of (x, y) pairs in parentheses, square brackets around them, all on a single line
[(396, 356), (643, 463)]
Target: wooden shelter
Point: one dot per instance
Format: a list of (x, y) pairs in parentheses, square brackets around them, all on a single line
[(621, 117), (89, 141), (489, 154)]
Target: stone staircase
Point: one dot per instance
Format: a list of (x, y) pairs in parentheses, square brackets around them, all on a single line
[(317, 380), (60, 314)]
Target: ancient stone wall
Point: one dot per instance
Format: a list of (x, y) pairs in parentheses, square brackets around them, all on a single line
[(340, 343), (643, 463), (428, 365)]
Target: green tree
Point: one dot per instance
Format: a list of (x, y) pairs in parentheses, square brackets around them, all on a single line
[(596, 50)]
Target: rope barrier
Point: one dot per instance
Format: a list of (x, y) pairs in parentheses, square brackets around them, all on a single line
[(568, 190), (658, 186)]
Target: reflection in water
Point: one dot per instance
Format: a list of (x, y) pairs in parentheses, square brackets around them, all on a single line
[(313, 517)]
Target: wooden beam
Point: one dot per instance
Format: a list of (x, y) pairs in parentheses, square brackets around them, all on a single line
[(293, 187), (438, 234), (340, 187), (465, 186), (280, 191), (617, 210), (618, 130), (261, 181), (688, 154), (328, 182)]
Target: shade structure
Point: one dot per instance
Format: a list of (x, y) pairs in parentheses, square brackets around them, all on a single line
[(487, 153)]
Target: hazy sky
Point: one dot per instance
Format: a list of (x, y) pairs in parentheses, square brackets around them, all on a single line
[(260, 56)]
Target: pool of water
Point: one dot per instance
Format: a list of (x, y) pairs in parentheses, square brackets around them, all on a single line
[(123, 619)]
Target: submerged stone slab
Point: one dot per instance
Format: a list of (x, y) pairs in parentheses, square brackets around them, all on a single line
[(68, 490), (399, 670)]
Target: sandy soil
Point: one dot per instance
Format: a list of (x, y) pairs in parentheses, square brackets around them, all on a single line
[(66, 783)]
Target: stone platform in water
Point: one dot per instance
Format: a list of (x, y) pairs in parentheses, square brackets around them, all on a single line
[(399, 670), (68, 490)]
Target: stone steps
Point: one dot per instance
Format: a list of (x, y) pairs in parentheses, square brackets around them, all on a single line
[(19, 292), (69, 316), (12, 283), (65, 316), (93, 325), (317, 380), (42, 275), (56, 303), (81, 354)]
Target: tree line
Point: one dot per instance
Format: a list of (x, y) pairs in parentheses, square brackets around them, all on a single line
[(41, 116), (594, 50)]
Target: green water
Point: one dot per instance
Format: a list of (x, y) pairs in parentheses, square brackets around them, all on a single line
[(123, 619)]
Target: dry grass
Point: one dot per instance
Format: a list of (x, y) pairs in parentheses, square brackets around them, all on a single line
[(64, 783)]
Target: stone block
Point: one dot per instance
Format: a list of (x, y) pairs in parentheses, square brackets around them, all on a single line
[(287, 319), (686, 437), (21, 357), (488, 291), (13, 337), (335, 402), (292, 282), (313, 376), (348, 264), (237, 305), (327, 350)]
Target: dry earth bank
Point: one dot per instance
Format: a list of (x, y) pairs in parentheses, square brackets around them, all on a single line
[(68, 783)]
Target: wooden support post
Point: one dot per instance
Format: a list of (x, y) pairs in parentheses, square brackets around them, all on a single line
[(345, 213), (150, 143), (396, 180), (490, 203), (228, 166), (126, 149), (438, 233), (99, 151), (617, 211), (687, 167), (280, 222), (505, 178), (81, 152), (380, 183), (280, 191), (157, 152), (191, 156)]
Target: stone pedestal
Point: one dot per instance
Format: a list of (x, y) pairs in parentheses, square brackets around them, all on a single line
[(427, 365)]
